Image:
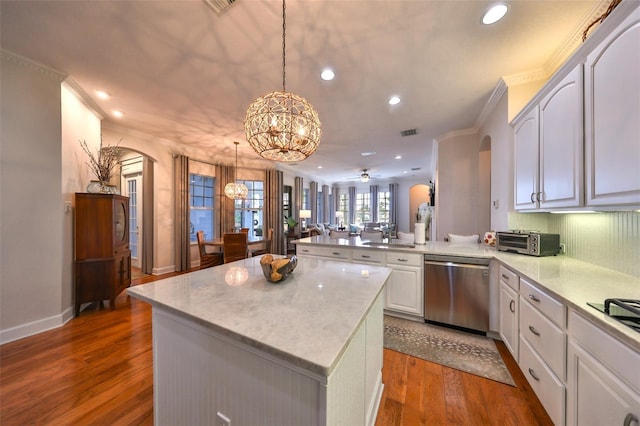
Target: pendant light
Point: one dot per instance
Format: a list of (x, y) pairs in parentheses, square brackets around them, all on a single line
[(282, 126), (235, 190)]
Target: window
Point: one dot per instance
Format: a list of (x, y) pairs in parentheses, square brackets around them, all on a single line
[(343, 206), (248, 212), (201, 213), (320, 208), (286, 203), (305, 199), (362, 208), (383, 206)]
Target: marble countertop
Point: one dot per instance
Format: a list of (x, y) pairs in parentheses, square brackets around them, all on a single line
[(571, 281), (308, 319)]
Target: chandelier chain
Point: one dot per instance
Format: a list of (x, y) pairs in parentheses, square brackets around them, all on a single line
[(284, 30)]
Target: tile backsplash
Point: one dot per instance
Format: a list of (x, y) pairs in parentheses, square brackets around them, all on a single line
[(609, 239)]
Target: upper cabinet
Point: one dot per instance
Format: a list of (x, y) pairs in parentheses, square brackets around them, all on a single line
[(577, 143), (548, 149), (612, 117)]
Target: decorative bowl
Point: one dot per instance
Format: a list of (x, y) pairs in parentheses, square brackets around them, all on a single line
[(277, 269)]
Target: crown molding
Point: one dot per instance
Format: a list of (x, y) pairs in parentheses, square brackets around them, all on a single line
[(84, 98), (495, 97), (50, 73), (526, 77)]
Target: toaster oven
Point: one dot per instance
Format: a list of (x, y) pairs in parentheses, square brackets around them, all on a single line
[(531, 243)]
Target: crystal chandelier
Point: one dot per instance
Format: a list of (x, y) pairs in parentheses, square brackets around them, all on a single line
[(235, 190), (282, 126)]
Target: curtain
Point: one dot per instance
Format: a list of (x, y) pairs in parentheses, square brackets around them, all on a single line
[(313, 201), (147, 216), (393, 203), (326, 215), (352, 204), (373, 194), (335, 193), (181, 212), (273, 212), (226, 206), (297, 200)]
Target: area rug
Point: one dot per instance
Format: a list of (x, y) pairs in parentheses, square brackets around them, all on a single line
[(463, 351)]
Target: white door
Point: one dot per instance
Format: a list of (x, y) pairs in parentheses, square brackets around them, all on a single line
[(133, 187)]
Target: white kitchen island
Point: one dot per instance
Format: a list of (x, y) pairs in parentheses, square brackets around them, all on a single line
[(231, 348)]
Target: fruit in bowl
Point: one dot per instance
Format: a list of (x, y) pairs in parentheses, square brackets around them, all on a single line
[(277, 269)]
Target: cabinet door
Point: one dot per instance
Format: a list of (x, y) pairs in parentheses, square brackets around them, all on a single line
[(596, 396), (526, 161), (612, 117), (561, 144), (404, 290), (509, 319)]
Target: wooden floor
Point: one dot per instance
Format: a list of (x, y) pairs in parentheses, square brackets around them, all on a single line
[(97, 369)]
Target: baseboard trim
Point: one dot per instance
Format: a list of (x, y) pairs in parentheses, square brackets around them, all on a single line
[(36, 327), (161, 271)]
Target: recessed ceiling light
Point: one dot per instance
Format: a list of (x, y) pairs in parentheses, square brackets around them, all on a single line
[(405, 172), (367, 154), (495, 13), (327, 74), (117, 114), (319, 167), (102, 94), (398, 157), (394, 100)]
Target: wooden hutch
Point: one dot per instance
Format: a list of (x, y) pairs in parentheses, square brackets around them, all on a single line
[(101, 248)]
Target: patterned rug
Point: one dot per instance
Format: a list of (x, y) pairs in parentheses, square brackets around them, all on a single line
[(463, 351)]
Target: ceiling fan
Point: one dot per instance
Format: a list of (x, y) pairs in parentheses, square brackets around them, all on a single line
[(364, 176)]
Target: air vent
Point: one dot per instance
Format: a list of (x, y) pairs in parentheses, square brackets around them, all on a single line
[(218, 5), (409, 132), (415, 169)]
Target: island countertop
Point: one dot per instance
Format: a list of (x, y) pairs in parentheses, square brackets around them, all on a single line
[(573, 282), (307, 320)]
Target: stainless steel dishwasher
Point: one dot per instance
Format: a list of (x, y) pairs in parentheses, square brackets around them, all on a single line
[(456, 291)]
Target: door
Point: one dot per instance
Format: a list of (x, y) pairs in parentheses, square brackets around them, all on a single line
[(133, 189)]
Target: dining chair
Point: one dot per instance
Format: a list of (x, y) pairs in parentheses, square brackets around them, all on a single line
[(207, 259), (268, 244), (234, 246), (371, 235), (338, 234)]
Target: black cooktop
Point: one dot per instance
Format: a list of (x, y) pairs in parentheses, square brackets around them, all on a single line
[(627, 311)]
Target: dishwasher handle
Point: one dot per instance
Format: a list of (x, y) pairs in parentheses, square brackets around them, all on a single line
[(456, 265)]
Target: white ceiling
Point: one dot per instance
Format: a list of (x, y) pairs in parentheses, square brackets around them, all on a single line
[(179, 71)]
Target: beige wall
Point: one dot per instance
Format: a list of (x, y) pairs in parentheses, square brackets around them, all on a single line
[(31, 207)]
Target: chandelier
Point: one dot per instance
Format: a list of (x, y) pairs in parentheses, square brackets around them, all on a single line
[(282, 126), (235, 190), (364, 177)]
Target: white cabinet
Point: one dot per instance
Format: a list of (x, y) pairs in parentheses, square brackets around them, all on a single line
[(405, 288), (543, 347), (603, 377), (509, 309), (549, 148), (325, 252), (612, 117)]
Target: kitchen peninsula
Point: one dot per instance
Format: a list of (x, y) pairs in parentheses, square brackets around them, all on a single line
[(231, 347)]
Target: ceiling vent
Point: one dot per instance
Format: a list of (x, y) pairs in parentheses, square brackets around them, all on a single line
[(409, 132), (218, 5), (415, 169)]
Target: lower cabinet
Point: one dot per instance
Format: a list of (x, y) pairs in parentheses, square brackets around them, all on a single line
[(509, 318), (603, 383), (405, 288), (100, 279)]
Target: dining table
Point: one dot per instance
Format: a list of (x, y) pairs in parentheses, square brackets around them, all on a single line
[(252, 242)]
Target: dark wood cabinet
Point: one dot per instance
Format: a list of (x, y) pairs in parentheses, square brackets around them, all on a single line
[(101, 248)]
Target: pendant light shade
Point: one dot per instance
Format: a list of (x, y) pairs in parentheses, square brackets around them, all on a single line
[(235, 190), (282, 126)]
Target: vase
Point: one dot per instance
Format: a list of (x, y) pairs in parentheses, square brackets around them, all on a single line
[(97, 187)]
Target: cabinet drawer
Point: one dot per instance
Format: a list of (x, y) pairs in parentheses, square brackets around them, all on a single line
[(553, 309), (549, 390), (544, 336), (369, 256), (611, 352), (332, 252), (399, 258), (509, 277)]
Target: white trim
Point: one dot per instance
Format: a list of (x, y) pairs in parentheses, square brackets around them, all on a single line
[(34, 66), (35, 327), (164, 270)]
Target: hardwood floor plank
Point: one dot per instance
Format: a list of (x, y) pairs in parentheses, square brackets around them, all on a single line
[(98, 369)]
